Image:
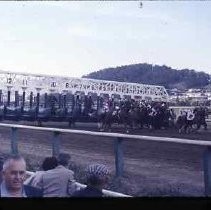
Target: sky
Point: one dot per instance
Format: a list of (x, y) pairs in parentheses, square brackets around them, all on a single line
[(74, 38)]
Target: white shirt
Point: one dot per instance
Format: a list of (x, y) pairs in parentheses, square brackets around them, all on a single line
[(6, 193)]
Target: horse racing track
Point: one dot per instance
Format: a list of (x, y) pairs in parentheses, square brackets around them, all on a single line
[(150, 168)]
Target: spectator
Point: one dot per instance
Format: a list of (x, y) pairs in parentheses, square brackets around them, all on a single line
[(1, 168), (48, 164), (58, 182), (13, 173), (97, 177)]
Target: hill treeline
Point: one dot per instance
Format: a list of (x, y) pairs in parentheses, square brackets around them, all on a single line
[(154, 75)]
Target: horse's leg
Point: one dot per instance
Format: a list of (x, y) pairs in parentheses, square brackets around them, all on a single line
[(152, 123), (102, 126), (127, 130), (39, 123), (180, 128), (205, 124), (73, 123), (148, 123), (132, 124), (188, 129), (198, 125), (126, 127), (109, 126), (194, 127), (99, 125), (191, 127), (70, 123), (141, 124), (183, 128)]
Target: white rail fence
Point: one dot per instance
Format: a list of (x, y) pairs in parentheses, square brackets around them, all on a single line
[(107, 193), (118, 139)]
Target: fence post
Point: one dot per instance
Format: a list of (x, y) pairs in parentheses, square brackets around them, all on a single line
[(118, 156), (207, 171), (14, 141), (55, 143)]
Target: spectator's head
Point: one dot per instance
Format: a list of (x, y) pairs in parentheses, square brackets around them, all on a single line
[(63, 159), (49, 163), (97, 175), (14, 171)]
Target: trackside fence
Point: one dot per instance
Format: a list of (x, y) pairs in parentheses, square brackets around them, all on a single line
[(118, 141), (107, 193)]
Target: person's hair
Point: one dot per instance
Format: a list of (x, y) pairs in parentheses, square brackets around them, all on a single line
[(7, 162), (63, 159), (49, 163)]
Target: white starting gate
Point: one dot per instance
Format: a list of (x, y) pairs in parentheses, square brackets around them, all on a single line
[(12, 81)]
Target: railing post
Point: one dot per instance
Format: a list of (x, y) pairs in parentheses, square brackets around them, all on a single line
[(118, 156), (14, 141), (55, 143), (207, 171)]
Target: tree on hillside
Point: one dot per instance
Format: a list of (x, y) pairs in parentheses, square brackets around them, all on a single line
[(155, 75)]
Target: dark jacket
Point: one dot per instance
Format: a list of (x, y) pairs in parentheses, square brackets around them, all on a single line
[(31, 192), (88, 192)]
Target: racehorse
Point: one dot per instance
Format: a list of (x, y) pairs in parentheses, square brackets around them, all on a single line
[(105, 118), (28, 114), (186, 122), (126, 117), (43, 115), (200, 115), (12, 113), (2, 111), (182, 122), (73, 116)]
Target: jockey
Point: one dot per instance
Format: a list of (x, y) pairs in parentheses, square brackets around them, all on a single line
[(153, 112), (184, 113), (117, 107), (190, 115), (149, 106), (106, 108)]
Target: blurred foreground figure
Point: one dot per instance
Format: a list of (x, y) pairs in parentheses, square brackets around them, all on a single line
[(1, 168), (13, 175), (97, 176), (58, 182), (48, 164)]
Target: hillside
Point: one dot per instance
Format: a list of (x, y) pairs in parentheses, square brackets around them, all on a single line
[(158, 75)]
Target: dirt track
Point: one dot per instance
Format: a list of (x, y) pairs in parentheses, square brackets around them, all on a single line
[(151, 168)]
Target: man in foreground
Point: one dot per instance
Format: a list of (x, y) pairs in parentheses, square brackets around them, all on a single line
[(13, 175)]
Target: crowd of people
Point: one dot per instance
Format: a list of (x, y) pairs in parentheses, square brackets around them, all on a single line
[(55, 179)]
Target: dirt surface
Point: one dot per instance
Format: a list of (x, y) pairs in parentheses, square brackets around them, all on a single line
[(150, 168)]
